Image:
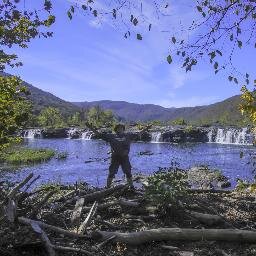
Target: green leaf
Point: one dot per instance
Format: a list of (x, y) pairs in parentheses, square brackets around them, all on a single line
[(95, 13), (169, 59), (199, 8), (69, 15), (135, 22), (84, 7), (230, 78), (139, 37), (173, 39)]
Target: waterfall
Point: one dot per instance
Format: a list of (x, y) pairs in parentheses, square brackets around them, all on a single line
[(87, 135), (32, 133), (230, 136), (156, 137), (73, 133)]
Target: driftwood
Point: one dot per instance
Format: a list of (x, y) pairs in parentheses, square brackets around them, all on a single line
[(95, 196), (208, 219), (15, 190), (38, 206), (76, 215), (186, 234), (72, 249), (88, 219), (46, 241), (41, 224)]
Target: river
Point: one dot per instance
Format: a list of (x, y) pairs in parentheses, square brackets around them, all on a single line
[(88, 160)]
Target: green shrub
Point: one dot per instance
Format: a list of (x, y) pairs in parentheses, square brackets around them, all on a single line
[(165, 187), (62, 155), (26, 156)]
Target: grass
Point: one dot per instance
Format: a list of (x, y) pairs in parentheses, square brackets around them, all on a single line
[(26, 156)]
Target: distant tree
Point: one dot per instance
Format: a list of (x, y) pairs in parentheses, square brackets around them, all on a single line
[(99, 117), (75, 119), (51, 118), (179, 121)]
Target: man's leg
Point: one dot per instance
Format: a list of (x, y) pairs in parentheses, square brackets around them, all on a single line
[(127, 169), (113, 169)]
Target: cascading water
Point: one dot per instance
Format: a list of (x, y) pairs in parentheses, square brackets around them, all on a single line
[(156, 137), (87, 135), (32, 133), (230, 136)]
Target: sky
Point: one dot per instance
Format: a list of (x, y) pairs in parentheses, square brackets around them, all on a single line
[(88, 60)]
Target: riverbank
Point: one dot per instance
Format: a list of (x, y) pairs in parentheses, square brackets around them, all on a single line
[(83, 220)]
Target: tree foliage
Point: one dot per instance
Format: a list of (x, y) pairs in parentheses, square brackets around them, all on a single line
[(17, 28), (51, 118), (100, 118), (14, 108)]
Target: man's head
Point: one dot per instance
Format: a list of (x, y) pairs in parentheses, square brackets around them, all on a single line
[(119, 128)]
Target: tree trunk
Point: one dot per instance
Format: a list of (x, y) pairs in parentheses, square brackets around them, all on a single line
[(161, 234)]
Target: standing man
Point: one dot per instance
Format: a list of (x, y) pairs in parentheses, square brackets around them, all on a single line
[(120, 143)]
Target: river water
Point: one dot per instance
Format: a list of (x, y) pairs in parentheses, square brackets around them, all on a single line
[(88, 160)]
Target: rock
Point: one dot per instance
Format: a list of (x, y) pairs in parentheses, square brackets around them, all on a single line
[(55, 133), (224, 184)]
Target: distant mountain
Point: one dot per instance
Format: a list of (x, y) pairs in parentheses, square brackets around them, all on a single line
[(225, 111), (42, 99)]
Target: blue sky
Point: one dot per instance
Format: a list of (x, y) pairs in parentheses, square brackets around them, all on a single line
[(87, 61)]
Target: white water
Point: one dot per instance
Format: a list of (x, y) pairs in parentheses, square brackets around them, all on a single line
[(32, 133), (230, 136), (156, 137), (87, 135)]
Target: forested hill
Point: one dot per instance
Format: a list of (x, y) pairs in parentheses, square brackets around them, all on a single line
[(42, 99), (224, 111)]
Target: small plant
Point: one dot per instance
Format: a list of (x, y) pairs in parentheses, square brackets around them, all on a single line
[(62, 155), (165, 187)]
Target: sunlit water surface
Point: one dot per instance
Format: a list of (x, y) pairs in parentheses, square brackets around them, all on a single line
[(76, 167)]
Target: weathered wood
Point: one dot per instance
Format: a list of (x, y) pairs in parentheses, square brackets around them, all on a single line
[(128, 203), (36, 208), (95, 196), (171, 248), (76, 215), (27, 221), (208, 219), (15, 190), (11, 210), (31, 182), (161, 234), (71, 249), (46, 241), (88, 219)]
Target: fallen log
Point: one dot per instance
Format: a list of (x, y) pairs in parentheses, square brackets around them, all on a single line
[(36, 208), (208, 219), (88, 219), (12, 194), (95, 196), (46, 241), (76, 215), (27, 221), (164, 234)]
